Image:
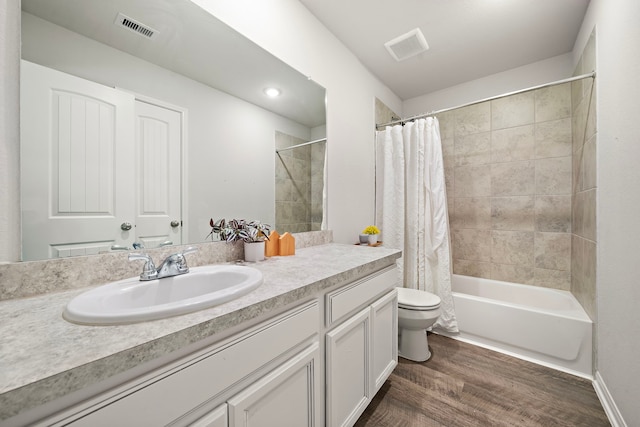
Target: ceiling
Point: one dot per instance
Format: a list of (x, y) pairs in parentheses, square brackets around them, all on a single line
[(191, 42), (468, 39)]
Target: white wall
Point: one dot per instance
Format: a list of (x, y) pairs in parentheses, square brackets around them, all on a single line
[(289, 31), (618, 204), (9, 131), (548, 70), (230, 160)]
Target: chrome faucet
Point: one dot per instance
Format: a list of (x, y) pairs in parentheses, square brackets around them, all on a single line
[(173, 265)]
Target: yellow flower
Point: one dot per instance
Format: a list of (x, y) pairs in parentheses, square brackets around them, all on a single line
[(372, 229)]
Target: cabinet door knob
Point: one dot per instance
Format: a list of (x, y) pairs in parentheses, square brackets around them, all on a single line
[(126, 226), (175, 223)]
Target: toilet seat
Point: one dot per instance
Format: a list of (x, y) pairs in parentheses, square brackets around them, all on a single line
[(415, 299)]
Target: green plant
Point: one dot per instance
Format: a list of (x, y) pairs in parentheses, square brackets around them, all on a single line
[(238, 229), (372, 229)]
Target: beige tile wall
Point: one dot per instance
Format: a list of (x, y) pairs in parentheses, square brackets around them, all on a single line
[(317, 184), (384, 114), (508, 171), (299, 175), (584, 183)]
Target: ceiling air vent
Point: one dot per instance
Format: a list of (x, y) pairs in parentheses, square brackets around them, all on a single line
[(135, 26), (407, 45)]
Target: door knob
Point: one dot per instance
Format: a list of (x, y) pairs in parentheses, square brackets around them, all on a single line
[(175, 223), (126, 226)]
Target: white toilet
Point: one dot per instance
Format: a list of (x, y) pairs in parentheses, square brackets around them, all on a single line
[(417, 311)]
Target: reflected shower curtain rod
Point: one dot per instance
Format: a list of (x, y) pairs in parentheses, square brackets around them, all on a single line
[(301, 145), (433, 113)]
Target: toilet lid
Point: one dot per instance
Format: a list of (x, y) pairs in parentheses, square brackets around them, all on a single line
[(414, 299)]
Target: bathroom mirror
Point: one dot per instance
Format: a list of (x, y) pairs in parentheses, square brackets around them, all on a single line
[(176, 58)]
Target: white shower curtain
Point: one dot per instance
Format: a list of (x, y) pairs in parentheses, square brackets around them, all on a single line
[(411, 209)]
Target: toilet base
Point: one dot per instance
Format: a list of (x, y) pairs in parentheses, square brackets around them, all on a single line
[(413, 345)]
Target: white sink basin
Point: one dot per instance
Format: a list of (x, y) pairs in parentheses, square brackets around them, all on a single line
[(131, 300)]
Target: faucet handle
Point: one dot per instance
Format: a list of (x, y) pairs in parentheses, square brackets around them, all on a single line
[(182, 261), (149, 271)]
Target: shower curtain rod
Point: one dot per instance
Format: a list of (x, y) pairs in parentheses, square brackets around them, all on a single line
[(301, 145), (433, 113)]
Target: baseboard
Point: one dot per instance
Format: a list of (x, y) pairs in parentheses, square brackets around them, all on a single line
[(608, 404)]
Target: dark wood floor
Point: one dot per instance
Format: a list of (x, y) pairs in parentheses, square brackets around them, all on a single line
[(466, 385)]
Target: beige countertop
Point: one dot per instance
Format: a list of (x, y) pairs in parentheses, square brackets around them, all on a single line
[(43, 357)]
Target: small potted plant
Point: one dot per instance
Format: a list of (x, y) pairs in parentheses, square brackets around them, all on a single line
[(370, 235), (252, 233)]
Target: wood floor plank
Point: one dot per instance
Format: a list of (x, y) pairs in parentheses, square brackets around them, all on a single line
[(539, 381), (474, 399), (468, 386), (386, 410), (438, 407), (522, 384)]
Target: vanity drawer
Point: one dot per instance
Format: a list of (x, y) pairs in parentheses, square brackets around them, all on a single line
[(341, 302), (193, 381)]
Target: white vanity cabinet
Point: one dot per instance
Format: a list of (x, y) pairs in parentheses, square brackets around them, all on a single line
[(248, 380), (318, 364), (283, 398), (384, 338), (361, 346), (215, 418), (348, 370)]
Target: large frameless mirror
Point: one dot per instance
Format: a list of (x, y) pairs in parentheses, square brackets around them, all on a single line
[(143, 119)]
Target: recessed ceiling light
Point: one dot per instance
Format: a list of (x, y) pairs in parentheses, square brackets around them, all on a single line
[(272, 92)]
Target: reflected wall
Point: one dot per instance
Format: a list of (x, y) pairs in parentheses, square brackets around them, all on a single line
[(299, 183)]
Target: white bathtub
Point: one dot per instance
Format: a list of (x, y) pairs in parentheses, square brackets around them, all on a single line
[(544, 326)]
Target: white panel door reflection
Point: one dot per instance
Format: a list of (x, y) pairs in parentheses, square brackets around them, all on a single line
[(77, 165), (158, 147)]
